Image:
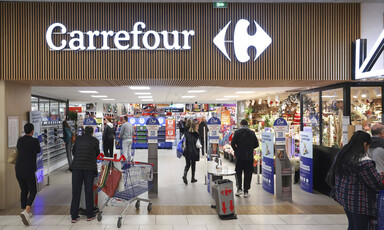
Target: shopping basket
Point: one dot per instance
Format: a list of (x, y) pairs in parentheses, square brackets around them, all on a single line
[(137, 178)]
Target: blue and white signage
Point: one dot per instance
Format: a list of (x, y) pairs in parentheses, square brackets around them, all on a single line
[(281, 128), (89, 121), (267, 150), (152, 127), (306, 161), (141, 121), (161, 121), (132, 120), (214, 130)]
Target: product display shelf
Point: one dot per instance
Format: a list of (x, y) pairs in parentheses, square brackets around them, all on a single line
[(141, 138), (162, 144)]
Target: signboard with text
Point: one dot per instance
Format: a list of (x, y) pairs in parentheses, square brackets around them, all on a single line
[(152, 127), (170, 130), (214, 124), (306, 161), (267, 150)]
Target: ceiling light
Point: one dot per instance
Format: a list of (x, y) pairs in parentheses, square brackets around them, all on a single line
[(231, 96), (188, 96), (108, 99), (87, 91), (143, 93), (354, 96), (145, 96), (327, 96), (363, 95), (99, 96), (244, 92), (139, 88), (260, 101), (147, 99), (197, 91), (222, 99)]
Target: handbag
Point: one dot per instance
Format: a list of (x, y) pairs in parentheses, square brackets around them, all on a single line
[(103, 175), (180, 148), (112, 182), (13, 157), (73, 138), (198, 144)]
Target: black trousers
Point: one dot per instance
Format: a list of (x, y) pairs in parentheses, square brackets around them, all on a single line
[(27, 183), (108, 147), (245, 166), (357, 221), (80, 176), (190, 163)]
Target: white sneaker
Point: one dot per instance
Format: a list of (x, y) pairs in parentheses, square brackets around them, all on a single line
[(246, 194), (25, 217), (239, 192)]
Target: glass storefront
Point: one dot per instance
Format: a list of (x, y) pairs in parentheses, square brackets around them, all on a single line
[(51, 109), (332, 107), (366, 106), (311, 115)]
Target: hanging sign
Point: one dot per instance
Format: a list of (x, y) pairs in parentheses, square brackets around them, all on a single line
[(214, 130), (281, 128), (170, 130), (89, 121), (306, 161), (268, 161), (152, 127)]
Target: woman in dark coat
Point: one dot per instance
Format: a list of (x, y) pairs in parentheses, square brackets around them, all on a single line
[(191, 152)]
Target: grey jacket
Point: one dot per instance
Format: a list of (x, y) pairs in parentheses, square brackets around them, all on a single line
[(126, 131), (377, 154)]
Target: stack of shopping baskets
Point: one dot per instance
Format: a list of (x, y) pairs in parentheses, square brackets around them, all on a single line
[(137, 178)]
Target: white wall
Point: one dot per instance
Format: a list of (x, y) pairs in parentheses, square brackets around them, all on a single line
[(372, 24)]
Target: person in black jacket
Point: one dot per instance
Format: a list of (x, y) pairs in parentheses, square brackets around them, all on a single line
[(108, 138), (244, 141), (203, 132), (28, 148), (191, 152), (84, 169)]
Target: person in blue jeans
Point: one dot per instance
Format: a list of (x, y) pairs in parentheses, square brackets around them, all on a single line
[(356, 181), (84, 169)]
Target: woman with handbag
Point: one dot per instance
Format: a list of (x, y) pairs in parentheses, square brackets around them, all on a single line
[(191, 152), (67, 136)]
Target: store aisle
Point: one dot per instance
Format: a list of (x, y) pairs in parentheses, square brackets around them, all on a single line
[(176, 198), (183, 222)]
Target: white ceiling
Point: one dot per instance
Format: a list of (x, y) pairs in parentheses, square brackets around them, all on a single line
[(207, 1), (160, 94)]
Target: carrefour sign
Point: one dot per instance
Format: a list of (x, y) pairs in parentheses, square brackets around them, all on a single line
[(122, 40)]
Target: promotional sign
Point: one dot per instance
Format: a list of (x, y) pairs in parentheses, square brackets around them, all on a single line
[(268, 161), (281, 128), (161, 121), (152, 127), (306, 161), (35, 119), (141, 121), (76, 109), (132, 120), (214, 128), (170, 130), (226, 117), (89, 121)]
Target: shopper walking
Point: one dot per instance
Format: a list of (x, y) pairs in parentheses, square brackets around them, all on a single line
[(191, 152), (181, 126), (244, 141), (108, 138), (356, 181), (27, 148), (376, 149), (203, 132), (126, 134), (84, 169), (67, 136)]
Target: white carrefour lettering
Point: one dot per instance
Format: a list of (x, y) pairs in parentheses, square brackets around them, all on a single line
[(122, 40), (79, 39), (48, 36)]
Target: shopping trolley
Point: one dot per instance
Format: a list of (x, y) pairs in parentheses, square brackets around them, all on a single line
[(137, 178)]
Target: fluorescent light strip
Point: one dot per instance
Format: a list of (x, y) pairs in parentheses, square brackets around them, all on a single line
[(197, 91), (139, 88), (145, 97), (188, 96), (87, 91), (233, 96), (108, 99), (144, 93), (245, 92), (222, 99), (99, 96)]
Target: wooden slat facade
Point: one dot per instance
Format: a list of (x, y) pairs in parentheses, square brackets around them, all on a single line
[(311, 44)]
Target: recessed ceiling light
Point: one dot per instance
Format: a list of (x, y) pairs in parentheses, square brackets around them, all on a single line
[(328, 96), (139, 88), (354, 96), (99, 96), (147, 99), (143, 93), (231, 96), (222, 99), (87, 91), (188, 96), (145, 96), (363, 95), (245, 92), (197, 91), (108, 99)]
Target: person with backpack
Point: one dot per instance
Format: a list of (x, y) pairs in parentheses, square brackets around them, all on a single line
[(243, 143)]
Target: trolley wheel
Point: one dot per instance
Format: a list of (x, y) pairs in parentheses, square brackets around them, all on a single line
[(99, 217), (149, 208), (137, 205), (119, 223)]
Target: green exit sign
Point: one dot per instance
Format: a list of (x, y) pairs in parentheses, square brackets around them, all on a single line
[(220, 5)]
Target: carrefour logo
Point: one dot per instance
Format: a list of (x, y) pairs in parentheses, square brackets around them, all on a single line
[(242, 40)]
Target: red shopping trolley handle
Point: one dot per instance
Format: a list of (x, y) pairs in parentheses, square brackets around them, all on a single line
[(114, 158)]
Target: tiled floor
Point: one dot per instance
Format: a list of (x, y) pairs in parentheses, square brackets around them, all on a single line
[(183, 222)]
